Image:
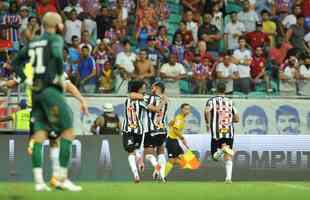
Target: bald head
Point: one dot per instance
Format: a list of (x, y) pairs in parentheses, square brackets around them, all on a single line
[(52, 20)]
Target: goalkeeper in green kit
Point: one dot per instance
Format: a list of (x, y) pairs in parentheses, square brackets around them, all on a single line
[(51, 116)]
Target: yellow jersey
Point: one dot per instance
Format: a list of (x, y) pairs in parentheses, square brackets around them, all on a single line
[(179, 124), (270, 27)]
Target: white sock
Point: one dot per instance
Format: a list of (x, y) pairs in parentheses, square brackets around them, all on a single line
[(138, 153), (38, 175), (228, 166), (162, 162), (54, 155), (132, 164), (63, 173), (152, 159)]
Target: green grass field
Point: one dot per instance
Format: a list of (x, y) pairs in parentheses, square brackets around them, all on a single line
[(170, 191)]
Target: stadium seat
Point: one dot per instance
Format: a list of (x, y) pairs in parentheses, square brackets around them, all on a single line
[(257, 94), (174, 18), (185, 87)]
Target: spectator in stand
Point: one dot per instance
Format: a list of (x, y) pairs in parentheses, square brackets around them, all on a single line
[(233, 30), (172, 72), (295, 35), (74, 59), (278, 54), (104, 22), (87, 72), (85, 41), (248, 17), (187, 36), (307, 41), (146, 12), (291, 19), (257, 38), (162, 42), (143, 33), (11, 23), (283, 6), (73, 27), (90, 26), (144, 69), (217, 17), (262, 5), (289, 76), (269, 27), (178, 48), (105, 78), (101, 55), (211, 35), (202, 74), (203, 51), (192, 5), (32, 29), (125, 65), (242, 57), (24, 14), (258, 69), (163, 12), (73, 5), (44, 7), (153, 54), (304, 74), (305, 4), (122, 11), (227, 72), (192, 25)]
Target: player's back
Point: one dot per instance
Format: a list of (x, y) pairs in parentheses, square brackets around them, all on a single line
[(46, 57), (221, 112)]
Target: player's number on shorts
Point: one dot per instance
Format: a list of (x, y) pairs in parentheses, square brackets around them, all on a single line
[(36, 57)]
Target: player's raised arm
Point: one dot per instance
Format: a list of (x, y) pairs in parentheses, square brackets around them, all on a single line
[(71, 89)]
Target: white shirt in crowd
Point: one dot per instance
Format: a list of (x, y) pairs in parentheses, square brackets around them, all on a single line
[(304, 86), (231, 29), (288, 85), (249, 20), (78, 9), (72, 28), (126, 61), (172, 86), (289, 20), (226, 72), (193, 26), (91, 26), (244, 70)]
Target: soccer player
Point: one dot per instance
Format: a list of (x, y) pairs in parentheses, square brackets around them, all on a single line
[(155, 129), (51, 115), (175, 135), (220, 116)]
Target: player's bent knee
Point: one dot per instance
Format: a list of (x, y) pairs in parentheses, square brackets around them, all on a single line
[(161, 150), (39, 136), (54, 143), (227, 157)]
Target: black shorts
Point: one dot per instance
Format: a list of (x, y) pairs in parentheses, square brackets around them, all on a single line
[(217, 144), (131, 141), (153, 140), (173, 147)]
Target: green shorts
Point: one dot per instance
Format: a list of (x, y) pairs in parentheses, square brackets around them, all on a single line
[(50, 112)]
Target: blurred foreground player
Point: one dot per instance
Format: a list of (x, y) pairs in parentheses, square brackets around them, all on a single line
[(51, 115), (220, 116), (175, 135)]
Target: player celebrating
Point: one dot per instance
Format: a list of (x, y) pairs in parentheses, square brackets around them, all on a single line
[(175, 134), (220, 116), (155, 127), (50, 113)]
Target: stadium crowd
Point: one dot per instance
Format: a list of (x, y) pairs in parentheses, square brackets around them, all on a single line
[(255, 47)]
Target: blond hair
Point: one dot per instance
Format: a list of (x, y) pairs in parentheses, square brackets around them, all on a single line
[(51, 20)]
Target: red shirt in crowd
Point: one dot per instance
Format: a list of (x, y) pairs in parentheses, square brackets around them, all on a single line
[(278, 55), (187, 37), (42, 9), (306, 8), (257, 66), (257, 39)]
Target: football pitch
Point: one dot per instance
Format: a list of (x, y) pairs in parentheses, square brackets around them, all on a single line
[(160, 191)]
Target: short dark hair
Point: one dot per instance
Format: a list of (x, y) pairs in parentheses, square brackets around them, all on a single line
[(74, 37), (265, 12), (242, 38), (135, 86), (161, 85), (126, 41), (221, 87), (287, 110), (85, 47), (254, 110), (183, 105)]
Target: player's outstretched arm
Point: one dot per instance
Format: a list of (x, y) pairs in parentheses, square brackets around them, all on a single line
[(71, 89)]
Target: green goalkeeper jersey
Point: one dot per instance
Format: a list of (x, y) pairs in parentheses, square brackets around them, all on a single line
[(45, 55)]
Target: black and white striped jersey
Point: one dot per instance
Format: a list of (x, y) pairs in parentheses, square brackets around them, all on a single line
[(155, 122), (221, 112), (133, 116)]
